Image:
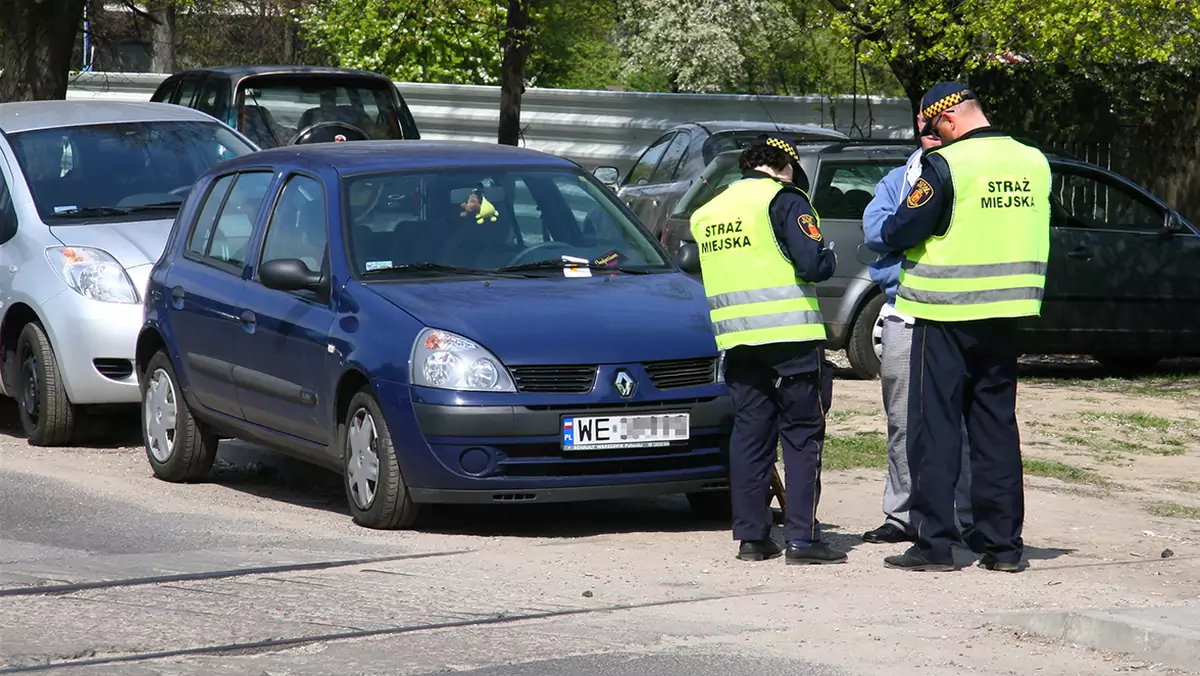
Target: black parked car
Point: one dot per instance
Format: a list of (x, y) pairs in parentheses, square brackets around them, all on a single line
[(668, 167), (1123, 282), (285, 105)]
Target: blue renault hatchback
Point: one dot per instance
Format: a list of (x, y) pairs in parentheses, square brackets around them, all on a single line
[(439, 322)]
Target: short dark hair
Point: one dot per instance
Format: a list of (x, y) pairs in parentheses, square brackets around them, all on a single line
[(757, 156)]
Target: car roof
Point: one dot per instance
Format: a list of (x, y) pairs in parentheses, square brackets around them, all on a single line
[(372, 156), (721, 126), (858, 149), (238, 72), (30, 115)]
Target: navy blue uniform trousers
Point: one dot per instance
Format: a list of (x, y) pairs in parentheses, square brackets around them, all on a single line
[(965, 370), (793, 409)]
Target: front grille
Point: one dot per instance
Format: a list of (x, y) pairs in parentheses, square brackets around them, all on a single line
[(606, 466), (115, 369), (564, 379), (682, 372)]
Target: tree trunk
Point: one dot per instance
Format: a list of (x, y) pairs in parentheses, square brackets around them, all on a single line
[(39, 36), (512, 82), (162, 32)]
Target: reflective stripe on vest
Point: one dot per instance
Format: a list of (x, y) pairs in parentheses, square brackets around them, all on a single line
[(991, 262), (754, 296)]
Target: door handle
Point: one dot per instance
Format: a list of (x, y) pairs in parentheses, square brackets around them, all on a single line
[(1080, 252), (248, 319), (177, 297)]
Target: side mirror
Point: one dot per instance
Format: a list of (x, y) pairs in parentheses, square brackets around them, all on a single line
[(688, 257), (607, 175), (289, 274), (1171, 223)]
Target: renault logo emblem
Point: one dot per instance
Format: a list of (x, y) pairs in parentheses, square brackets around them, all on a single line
[(624, 383)]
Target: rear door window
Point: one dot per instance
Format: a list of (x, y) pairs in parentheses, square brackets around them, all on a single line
[(845, 190), (668, 166), (644, 169), (187, 91)]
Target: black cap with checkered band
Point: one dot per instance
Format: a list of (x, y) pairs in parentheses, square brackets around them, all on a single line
[(941, 98), (783, 144)]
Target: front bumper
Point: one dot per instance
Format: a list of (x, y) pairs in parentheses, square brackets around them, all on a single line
[(94, 343), (458, 453)]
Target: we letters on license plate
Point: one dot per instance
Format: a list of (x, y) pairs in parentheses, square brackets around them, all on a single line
[(624, 431)]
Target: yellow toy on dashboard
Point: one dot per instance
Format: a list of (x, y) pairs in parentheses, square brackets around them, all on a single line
[(477, 204)]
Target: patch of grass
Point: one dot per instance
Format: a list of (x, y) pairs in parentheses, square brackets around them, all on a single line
[(1139, 420), (1167, 451), (1052, 469), (844, 415), (862, 450), (1173, 510), (1181, 485), (1168, 441)]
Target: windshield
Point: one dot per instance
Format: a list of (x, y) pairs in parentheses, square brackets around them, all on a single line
[(274, 112), (119, 169), (715, 177), (489, 219)]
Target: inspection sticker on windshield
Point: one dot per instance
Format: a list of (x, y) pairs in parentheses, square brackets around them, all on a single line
[(378, 265), (624, 431), (63, 210), (576, 270)]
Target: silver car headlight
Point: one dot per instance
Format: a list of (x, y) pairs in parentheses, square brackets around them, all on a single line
[(450, 362), (92, 273)]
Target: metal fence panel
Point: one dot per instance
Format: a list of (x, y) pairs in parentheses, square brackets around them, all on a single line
[(589, 127)]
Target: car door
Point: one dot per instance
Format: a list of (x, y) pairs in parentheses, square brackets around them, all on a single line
[(281, 375), (633, 189), (664, 188), (8, 229), (1115, 279), (206, 285), (843, 191)]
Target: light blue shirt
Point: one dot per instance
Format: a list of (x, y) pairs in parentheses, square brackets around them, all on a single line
[(890, 192)]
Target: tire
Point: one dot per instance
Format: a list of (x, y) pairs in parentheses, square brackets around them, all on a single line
[(178, 446), (47, 414), (1128, 364), (866, 339), (386, 505), (711, 505)]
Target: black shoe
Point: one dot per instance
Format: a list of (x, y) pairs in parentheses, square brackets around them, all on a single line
[(888, 533), (914, 560), (759, 550), (990, 562), (815, 554)]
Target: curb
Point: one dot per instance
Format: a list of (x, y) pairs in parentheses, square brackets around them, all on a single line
[(1141, 632)]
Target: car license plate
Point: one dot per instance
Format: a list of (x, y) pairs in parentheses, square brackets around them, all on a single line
[(624, 431)]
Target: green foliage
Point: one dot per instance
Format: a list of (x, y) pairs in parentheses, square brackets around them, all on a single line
[(449, 41)]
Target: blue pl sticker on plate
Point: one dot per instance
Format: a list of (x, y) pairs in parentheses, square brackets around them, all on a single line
[(378, 265), (568, 431)]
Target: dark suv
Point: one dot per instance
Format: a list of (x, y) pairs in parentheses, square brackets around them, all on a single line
[(285, 105), (1122, 283)]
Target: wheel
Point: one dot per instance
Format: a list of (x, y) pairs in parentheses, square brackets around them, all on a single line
[(178, 446), (47, 414), (375, 488), (711, 505), (1128, 364), (864, 349)]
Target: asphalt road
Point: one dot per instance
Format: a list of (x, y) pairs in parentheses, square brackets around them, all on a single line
[(100, 576)]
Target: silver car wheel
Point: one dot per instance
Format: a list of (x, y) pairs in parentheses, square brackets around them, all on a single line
[(362, 440), (160, 415), (877, 335)]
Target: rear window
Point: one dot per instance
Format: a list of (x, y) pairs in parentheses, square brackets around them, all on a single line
[(273, 112), (715, 178), (845, 190)]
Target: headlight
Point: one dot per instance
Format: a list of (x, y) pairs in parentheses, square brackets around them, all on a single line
[(450, 362), (92, 273), (721, 367)]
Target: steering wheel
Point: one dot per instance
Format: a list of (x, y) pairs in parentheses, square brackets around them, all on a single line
[(536, 248), (323, 132)]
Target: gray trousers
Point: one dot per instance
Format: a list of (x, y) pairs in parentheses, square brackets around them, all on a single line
[(894, 372)]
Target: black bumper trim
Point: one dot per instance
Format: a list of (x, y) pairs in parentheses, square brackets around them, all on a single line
[(572, 494), (519, 421)]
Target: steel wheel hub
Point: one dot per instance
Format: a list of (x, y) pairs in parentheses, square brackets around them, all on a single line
[(362, 467), (30, 395), (160, 415)]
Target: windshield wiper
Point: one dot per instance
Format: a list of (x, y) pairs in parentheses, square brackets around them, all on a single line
[(115, 211), (431, 267), (562, 265)]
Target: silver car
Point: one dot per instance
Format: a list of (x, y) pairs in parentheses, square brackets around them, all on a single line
[(88, 193)]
